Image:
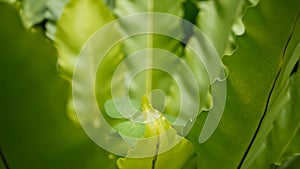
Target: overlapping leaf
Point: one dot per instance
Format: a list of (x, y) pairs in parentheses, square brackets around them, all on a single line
[(73, 30), (140, 42), (279, 96), (248, 89), (281, 136), (224, 15)]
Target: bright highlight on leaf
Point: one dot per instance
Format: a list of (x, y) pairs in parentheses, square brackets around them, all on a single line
[(142, 122)]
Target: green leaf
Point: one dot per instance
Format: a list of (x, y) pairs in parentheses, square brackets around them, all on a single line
[(137, 43), (52, 14), (121, 107), (169, 159), (34, 129), (221, 21), (130, 132), (110, 3), (291, 163), (282, 138), (172, 119), (280, 96), (160, 80), (8, 1), (128, 7), (44, 12), (155, 125), (34, 12), (130, 129), (155, 122), (73, 30), (247, 87), (260, 126), (2, 166), (202, 78)]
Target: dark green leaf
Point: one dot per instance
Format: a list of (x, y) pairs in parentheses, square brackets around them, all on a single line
[(247, 87), (281, 140), (35, 132), (290, 163)]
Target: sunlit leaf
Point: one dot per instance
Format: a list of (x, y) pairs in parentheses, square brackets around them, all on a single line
[(73, 30), (34, 12), (133, 44), (166, 160)]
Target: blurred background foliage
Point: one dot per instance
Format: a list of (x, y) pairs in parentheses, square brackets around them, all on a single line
[(35, 131)]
